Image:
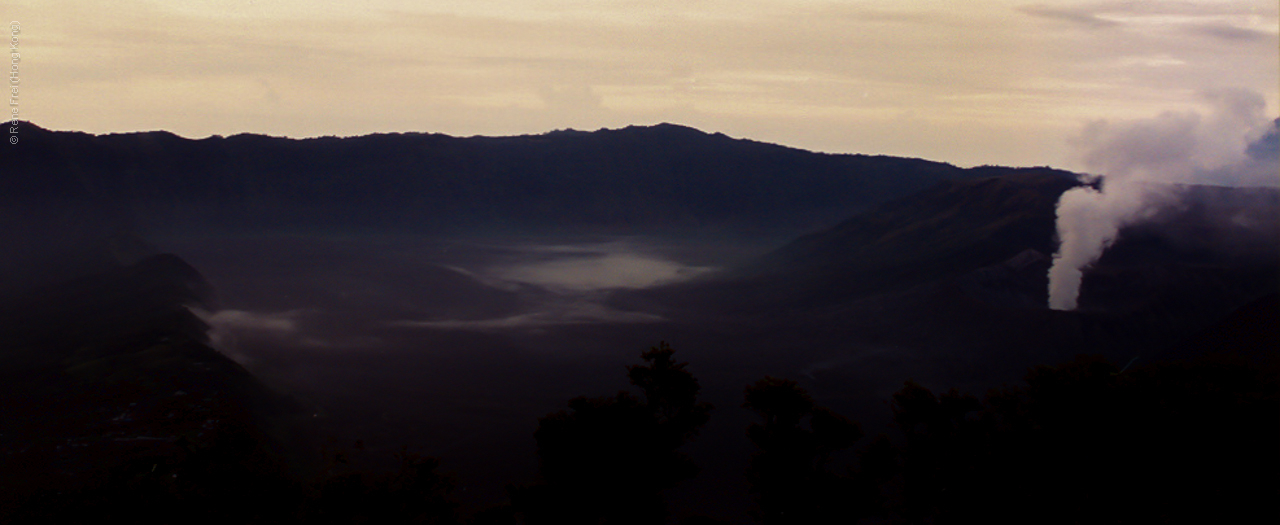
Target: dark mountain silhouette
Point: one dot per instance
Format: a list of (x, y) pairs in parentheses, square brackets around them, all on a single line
[(114, 406), (637, 179), (54, 253)]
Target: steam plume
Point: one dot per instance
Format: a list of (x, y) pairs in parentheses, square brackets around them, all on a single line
[(1139, 160)]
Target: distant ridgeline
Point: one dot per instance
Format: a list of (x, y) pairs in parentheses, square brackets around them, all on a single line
[(663, 178)]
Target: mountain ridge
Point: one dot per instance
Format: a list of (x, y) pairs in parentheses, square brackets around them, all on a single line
[(665, 177)]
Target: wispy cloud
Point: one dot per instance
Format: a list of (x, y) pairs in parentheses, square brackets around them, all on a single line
[(240, 320), (1230, 32), (1074, 15), (230, 329), (600, 272), (568, 283), (1140, 159), (571, 313)]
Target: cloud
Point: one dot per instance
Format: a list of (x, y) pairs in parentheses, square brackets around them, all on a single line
[(1182, 147), (571, 313), (1267, 147), (576, 99), (1229, 32), (567, 283), (229, 329), (1140, 160), (241, 320), (1077, 16), (578, 269)]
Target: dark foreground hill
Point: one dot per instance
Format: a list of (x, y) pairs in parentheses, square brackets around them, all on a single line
[(637, 179), (114, 406)]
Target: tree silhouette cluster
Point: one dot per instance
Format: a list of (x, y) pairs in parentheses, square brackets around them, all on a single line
[(607, 459), (789, 475), (1082, 442), (415, 492), (1191, 441), (230, 476)]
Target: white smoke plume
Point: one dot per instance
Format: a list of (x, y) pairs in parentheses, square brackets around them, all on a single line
[(1139, 160)]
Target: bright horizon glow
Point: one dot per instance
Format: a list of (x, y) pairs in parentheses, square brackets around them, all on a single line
[(989, 82)]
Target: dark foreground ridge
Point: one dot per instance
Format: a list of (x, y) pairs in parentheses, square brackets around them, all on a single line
[(142, 423), (115, 408)]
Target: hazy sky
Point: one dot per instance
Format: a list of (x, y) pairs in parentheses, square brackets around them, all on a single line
[(973, 82)]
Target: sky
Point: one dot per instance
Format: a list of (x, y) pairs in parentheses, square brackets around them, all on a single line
[(1004, 82)]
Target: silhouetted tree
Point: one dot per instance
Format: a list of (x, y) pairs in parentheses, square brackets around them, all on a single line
[(670, 392), (1085, 442), (416, 492), (942, 467), (607, 459), (788, 475)]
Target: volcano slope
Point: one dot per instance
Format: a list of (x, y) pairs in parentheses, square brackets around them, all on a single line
[(950, 284)]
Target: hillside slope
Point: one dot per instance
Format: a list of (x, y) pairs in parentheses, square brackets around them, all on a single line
[(952, 282), (114, 405)]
